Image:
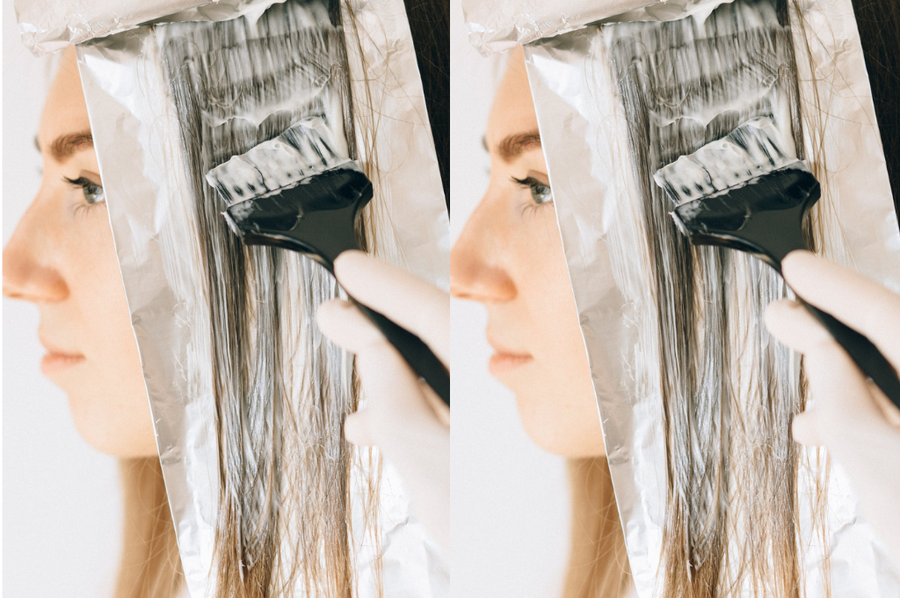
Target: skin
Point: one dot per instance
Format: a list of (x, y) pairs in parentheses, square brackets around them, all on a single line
[(61, 257), (401, 416), (510, 258), (849, 416)]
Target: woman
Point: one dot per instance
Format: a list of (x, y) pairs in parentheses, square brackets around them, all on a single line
[(61, 257), (509, 258), (503, 249)]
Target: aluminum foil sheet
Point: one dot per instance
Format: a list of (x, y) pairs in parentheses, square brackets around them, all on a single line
[(49, 25), (498, 26), (585, 144), (135, 136)]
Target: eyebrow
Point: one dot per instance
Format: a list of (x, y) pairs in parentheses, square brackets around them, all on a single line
[(515, 145), (64, 146)]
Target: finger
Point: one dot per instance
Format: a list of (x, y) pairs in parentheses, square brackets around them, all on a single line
[(846, 412), (854, 299), (346, 327), (794, 326), (357, 430), (388, 382), (804, 429), (844, 404), (394, 399), (411, 302)]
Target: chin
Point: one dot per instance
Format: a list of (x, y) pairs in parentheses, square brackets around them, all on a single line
[(558, 427), (114, 436)]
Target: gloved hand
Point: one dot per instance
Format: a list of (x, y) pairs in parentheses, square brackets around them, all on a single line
[(405, 419), (849, 416)]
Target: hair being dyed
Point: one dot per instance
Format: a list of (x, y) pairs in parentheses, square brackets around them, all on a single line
[(281, 391), (728, 391)]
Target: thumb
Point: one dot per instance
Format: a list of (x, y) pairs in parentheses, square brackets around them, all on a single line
[(357, 429), (805, 430)]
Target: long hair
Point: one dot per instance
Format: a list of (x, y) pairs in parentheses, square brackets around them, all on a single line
[(150, 565), (694, 565), (284, 466), (731, 513), (598, 563)]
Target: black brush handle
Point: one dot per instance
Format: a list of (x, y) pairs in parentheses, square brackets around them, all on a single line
[(865, 354), (420, 358)]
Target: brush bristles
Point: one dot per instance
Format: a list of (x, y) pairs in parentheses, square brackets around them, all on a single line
[(306, 149), (754, 149)]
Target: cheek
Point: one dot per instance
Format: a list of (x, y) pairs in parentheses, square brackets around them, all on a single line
[(109, 403), (558, 408), (552, 306)]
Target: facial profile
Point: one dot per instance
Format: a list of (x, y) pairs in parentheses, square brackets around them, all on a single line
[(61, 257), (510, 258)]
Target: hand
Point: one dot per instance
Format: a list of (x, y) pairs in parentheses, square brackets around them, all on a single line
[(403, 417), (850, 416)]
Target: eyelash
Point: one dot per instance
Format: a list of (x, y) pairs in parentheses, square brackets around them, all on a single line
[(534, 185), (85, 184)]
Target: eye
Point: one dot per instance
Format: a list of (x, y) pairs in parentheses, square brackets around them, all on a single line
[(93, 193), (540, 192)]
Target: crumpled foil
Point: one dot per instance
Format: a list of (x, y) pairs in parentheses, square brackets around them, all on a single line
[(498, 26), (584, 140), (134, 125), (50, 25)]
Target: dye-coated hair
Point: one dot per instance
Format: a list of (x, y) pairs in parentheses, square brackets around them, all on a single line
[(284, 465), (694, 564), (732, 514)]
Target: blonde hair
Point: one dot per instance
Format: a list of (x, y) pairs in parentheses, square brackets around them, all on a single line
[(598, 563), (302, 528), (150, 566)]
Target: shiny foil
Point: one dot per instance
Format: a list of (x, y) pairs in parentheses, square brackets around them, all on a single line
[(583, 134), (49, 25), (497, 26), (135, 136)]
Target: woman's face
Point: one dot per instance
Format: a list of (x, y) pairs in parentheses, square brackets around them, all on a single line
[(510, 258), (61, 258)]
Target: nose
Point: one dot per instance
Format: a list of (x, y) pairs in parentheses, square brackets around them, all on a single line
[(28, 269), (477, 261)]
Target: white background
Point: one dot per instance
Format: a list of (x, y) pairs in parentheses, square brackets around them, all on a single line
[(61, 503), (61, 498), (511, 508)]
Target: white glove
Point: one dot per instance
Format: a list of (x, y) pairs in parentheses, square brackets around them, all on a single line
[(402, 417), (851, 417)]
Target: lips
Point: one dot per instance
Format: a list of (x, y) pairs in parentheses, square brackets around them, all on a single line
[(57, 359), (505, 360)]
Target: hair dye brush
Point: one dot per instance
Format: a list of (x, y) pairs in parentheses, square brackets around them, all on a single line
[(299, 191), (746, 192)]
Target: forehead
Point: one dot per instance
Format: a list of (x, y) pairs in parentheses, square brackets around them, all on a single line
[(513, 110), (65, 110)]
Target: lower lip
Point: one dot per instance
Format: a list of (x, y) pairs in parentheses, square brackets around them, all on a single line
[(504, 362), (56, 362)]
